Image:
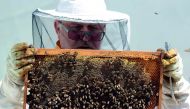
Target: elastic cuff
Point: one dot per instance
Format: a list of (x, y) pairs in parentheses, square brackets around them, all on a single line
[(10, 89)]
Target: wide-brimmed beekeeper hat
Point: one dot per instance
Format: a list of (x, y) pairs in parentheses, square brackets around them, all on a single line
[(117, 32), (84, 11)]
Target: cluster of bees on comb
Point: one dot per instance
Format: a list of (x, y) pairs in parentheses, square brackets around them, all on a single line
[(69, 82)]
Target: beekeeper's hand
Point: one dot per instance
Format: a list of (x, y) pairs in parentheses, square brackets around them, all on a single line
[(19, 63), (173, 65)]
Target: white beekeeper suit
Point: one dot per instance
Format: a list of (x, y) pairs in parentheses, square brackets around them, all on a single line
[(176, 90)]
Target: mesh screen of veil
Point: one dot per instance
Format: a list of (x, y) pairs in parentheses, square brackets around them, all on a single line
[(117, 33), (94, 79)]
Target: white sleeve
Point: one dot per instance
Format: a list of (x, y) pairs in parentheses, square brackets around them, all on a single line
[(11, 94), (182, 95)]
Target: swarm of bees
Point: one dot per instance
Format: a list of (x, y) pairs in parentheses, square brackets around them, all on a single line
[(67, 82)]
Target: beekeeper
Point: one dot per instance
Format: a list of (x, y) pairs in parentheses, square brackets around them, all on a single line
[(85, 24)]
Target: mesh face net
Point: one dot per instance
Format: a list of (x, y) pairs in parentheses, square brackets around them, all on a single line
[(117, 32)]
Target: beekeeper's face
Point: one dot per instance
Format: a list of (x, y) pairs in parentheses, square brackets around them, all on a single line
[(74, 35)]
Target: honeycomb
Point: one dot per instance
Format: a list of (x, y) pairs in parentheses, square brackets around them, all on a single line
[(94, 79)]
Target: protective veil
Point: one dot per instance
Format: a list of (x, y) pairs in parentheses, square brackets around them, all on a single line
[(117, 31)]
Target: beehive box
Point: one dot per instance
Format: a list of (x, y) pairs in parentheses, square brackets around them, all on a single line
[(94, 79)]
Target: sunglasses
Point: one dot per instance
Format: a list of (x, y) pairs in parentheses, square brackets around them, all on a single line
[(77, 35), (89, 35)]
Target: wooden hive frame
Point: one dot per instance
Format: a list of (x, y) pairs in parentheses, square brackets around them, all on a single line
[(149, 59)]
